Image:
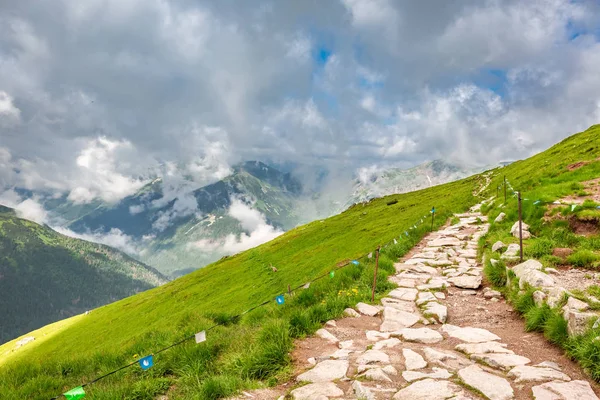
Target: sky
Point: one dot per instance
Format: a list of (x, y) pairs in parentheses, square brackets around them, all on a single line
[(96, 96)]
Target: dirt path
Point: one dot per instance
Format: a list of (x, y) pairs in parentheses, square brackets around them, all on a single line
[(440, 335)]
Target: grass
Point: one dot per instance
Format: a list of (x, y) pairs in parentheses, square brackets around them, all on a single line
[(249, 352), (584, 259)]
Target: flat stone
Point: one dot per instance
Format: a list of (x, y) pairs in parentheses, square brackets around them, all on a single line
[(500, 217), (413, 360), (439, 295), (492, 294), (407, 294), (578, 322), (525, 373), (390, 370), (555, 295), (580, 390), (341, 354), (367, 309), (317, 391), (436, 310), (468, 334), (549, 364), (491, 386), (406, 283), (325, 371), (428, 389), (346, 344), (325, 334), (433, 355), (331, 323), (501, 361), (394, 320), (419, 335), (527, 266), (438, 373), (536, 279), (373, 357), (483, 348), (512, 252), (388, 343), (351, 313), (425, 297), (524, 228), (361, 391), (467, 292), (443, 242), (375, 336), (576, 304), (376, 374), (408, 306)]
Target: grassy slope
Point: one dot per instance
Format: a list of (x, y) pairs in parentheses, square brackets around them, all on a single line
[(46, 276), (111, 334), (547, 177)]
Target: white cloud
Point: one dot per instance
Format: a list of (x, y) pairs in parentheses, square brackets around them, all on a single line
[(113, 238), (29, 209), (8, 112), (184, 205), (136, 209), (258, 231)]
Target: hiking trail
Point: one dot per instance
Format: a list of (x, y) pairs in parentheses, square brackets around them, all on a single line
[(440, 335)]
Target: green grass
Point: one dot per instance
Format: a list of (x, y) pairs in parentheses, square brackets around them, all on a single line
[(584, 259), (248, 352)]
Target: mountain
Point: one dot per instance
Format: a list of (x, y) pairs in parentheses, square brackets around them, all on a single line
[(397, 180), (166, 226), (45, 276), (252, 350)]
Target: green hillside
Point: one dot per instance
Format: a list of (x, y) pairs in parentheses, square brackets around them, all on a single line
[(45, 276), (253, 350)]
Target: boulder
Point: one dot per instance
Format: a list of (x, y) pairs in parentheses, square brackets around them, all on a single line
[(466, 282), (576, 304), (316, 391), (394, 320), (555, 295), (515, 230), (498, 246), (512, 252), (325, 371), (491, 386), (413, 360), (539, 297), (500, 218), (578, 322), (530, 272), (580, 390), (351, 313), (428, 389), (525, 373), (367, 309)]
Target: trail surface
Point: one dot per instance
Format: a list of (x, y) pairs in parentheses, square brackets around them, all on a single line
[(440, 335)]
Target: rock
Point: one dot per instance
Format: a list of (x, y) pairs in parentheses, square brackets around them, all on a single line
[(351, 313), (394, 320), (436, 310), (525, 373), (312, 361), (493, 262), (578, 322), (501, 361), (390, 370), (549, 364), (466, 282), (376, 374), (491, 294), (498, 246), (24, 341), (407, 306), (341, 354), (406, 283), (374, 336), (483, 348), (491, 386), (468, 292), (580, 390), (388, 343), (316, 391), (524, 227), (468, 334), (347, 344), (500, 218), (433, 355), (361, 391), (325, 371), (367, 309), (555, 296), (419, 335), (439, 295), (372, 357), (441, 242), (438, 373), (428, 389), (552, 271), (576, 304), (331, 323), (325, 334), (413, 360), (425, 297), (539, 297), (530, 272), (406, 294), (512, 252)]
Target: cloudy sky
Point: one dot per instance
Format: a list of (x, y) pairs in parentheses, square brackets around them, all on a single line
[(95, 94)]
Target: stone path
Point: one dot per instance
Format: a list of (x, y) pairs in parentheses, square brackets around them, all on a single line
[(407, 348)]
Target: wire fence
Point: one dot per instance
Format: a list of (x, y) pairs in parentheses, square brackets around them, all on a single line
[(148, 361)]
